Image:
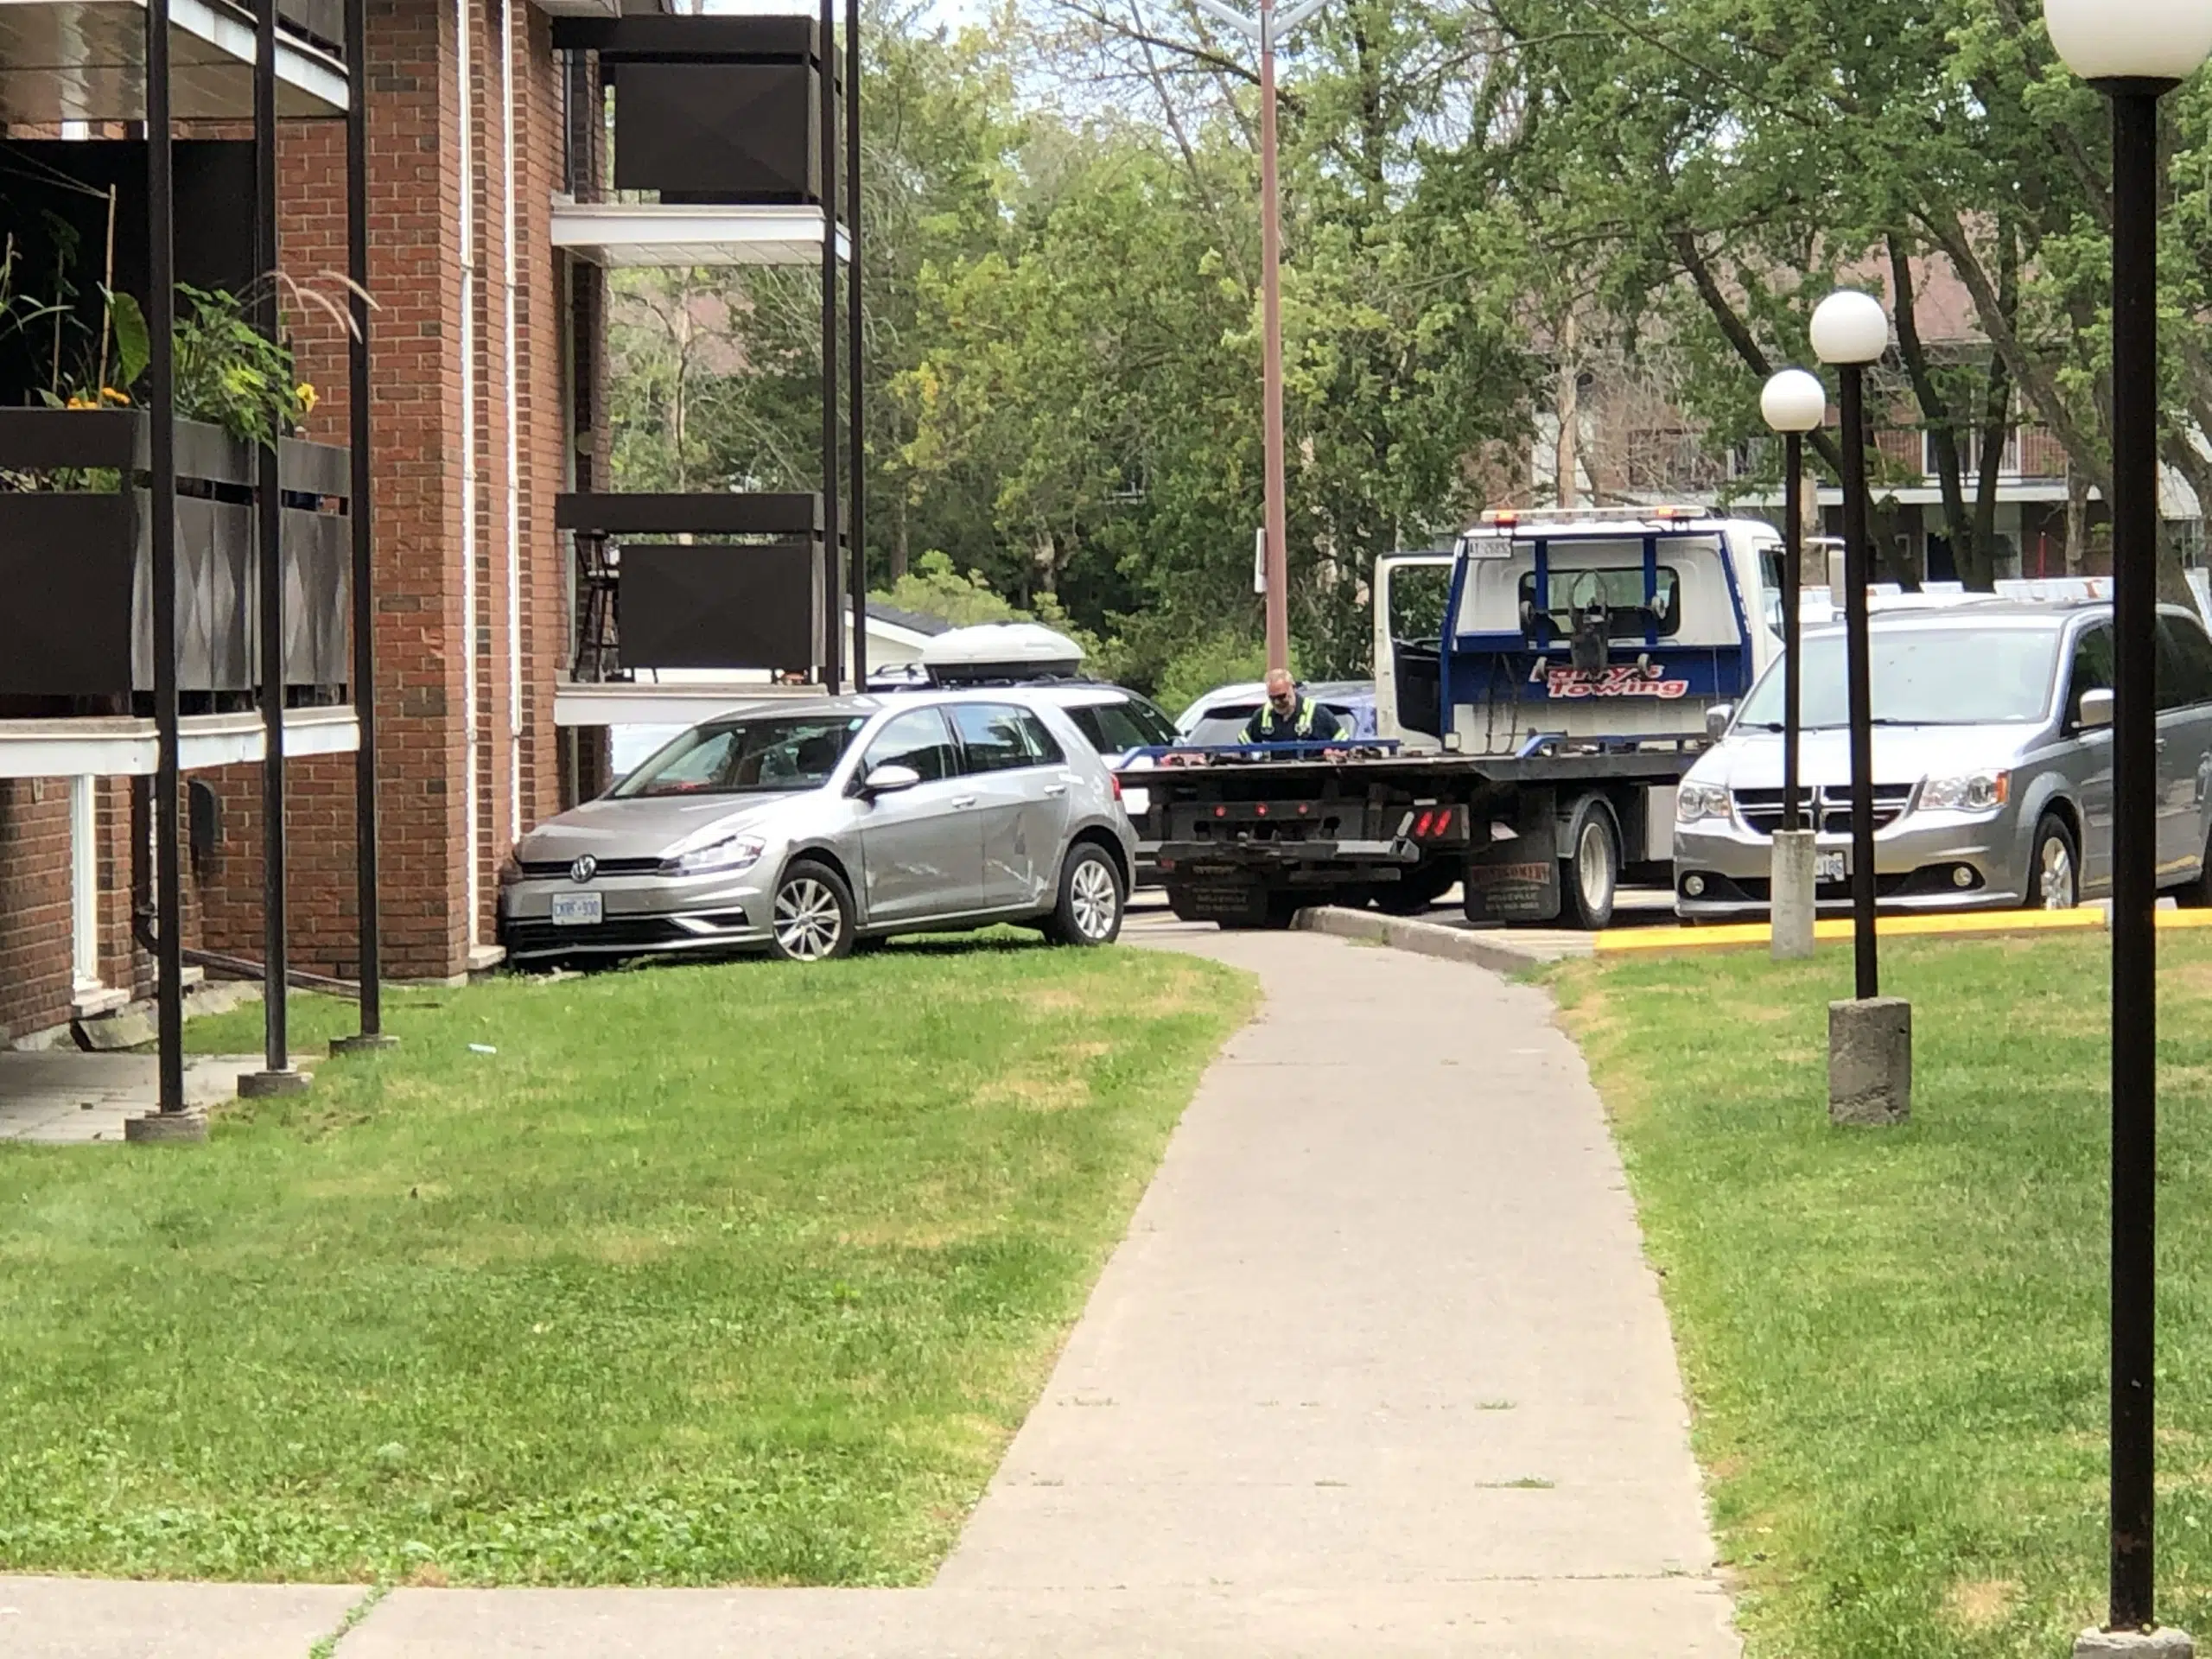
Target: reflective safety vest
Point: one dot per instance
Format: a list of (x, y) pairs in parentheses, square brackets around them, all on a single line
[(1301, 725)]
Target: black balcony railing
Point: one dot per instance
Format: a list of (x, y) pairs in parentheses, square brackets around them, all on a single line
[(76, 558)]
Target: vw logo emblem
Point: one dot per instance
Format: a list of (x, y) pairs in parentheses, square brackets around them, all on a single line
[(584, 869)]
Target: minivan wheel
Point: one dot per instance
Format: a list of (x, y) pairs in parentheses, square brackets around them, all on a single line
[(1590, 873), (1092, 898), (2054, 868), (813, 914)]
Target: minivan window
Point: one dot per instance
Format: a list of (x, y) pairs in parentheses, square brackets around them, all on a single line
[(2094, 665), (2184, 668), (1923, 676), (739, 757)]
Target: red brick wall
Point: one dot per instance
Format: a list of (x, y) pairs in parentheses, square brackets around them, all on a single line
[(34, 969), (416, 277), (425, 776)]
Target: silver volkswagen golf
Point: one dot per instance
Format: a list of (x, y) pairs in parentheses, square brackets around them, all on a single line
[(1993, 765), (809, 828)]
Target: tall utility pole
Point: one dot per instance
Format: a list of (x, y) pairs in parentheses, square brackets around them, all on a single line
[(1269, 26)]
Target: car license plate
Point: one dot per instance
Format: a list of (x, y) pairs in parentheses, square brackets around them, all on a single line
[(578, 909), (1834, 865)]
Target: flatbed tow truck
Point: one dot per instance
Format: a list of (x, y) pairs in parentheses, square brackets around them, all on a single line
[(1541, 690)]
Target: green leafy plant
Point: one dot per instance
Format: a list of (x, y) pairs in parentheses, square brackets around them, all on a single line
[(229, 374)]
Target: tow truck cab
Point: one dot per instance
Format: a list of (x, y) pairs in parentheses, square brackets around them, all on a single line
[(1574, 628)]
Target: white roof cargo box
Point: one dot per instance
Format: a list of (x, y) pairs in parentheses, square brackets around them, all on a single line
[(1000, 652)]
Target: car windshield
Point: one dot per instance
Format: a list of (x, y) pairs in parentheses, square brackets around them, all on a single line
[(1922, 677), (771, 754)]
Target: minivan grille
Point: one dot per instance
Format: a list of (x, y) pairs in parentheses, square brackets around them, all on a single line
[(1825, 809)]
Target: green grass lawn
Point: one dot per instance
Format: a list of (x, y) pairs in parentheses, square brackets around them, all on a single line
[(1894, 1339), (739, 1273)]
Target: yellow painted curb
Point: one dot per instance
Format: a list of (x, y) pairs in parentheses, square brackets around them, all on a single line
[(2185, 919), (1965, 925)]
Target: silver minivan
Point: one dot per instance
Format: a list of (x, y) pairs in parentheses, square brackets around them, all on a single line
[(810, 828), (1993, 765)]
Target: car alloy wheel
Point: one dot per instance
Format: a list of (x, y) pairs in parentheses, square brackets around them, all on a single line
[(809, 919), (1095, 898), (2055, 873)]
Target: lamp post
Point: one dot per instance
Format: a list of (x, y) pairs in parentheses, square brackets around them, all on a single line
[(1271, 26), (2134, 52), (1794, 403), (1850, 330), (1870, 1037)]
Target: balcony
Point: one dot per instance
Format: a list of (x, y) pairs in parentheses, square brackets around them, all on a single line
[(76, 638), (85, 59)]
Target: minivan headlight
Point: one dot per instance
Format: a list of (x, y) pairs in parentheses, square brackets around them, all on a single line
[(1976, 792), (731, 853), (1693, 802)]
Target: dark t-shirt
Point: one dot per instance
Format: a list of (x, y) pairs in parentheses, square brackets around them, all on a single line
[(1266, 726)]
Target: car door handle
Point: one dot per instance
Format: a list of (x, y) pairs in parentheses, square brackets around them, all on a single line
[(1055, 791), (963, 800)]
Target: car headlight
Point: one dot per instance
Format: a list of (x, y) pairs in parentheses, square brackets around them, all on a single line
[(510, 871), (1976, 792), (731, 853), (1693, 802)]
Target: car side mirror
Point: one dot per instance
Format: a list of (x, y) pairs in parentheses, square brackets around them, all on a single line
[(2096, 710), (1717, 719), (889, 780)]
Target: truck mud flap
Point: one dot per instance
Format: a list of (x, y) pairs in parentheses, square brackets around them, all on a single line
[(1234, 899), (1516, 878)]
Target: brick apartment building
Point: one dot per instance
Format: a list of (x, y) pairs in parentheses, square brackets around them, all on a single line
[(468, 110)]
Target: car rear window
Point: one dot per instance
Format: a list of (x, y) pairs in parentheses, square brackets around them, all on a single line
[(1117, 727)]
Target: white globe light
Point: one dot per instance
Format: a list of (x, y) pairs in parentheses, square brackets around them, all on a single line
[(2130, 40), (1849, 327), (1794, 401)]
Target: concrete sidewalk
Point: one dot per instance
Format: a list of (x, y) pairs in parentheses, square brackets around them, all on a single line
[(1379, 1370)]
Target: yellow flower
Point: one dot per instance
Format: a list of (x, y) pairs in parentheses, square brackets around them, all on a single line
[(307, 398), (110, 395), (78, 400)]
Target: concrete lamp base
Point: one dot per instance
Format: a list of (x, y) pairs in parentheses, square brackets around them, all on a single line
[(363, 1044), (187, 1128), (1792, 906), (272, 1085), (2142, 1644), (1870, 1063)]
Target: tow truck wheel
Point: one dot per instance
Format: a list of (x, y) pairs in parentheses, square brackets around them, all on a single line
[(1590, 874)]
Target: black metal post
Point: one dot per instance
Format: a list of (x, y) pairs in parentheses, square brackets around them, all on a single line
[(358, 505), (1793, 536), (2134, 943), (161, 319), (833, 568), (857, 515), (1854, 436), (269, 565)]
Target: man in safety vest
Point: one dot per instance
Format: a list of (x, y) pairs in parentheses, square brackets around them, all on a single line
[(1289, 716)]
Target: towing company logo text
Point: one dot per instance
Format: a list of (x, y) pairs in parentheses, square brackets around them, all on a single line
[(1622, 680)]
